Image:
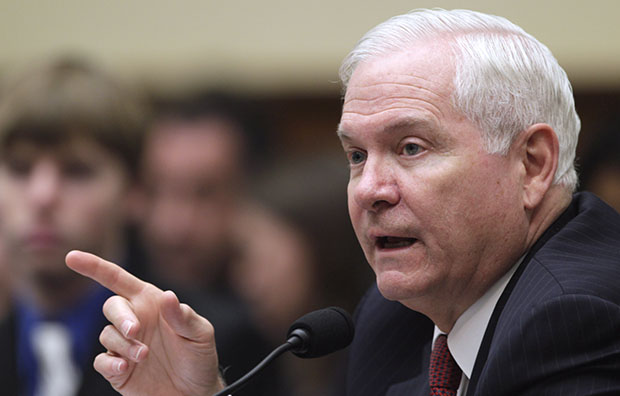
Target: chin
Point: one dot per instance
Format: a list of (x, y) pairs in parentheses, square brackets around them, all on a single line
[(396, 286), (44, 260)]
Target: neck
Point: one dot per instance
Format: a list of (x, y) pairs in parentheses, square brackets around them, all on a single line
[(556, 200), (51, 296)]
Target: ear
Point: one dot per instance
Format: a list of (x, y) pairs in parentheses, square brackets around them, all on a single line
[(541, 151)]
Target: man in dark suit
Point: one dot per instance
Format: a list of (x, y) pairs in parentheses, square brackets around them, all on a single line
[(461, 139), (493, 278)]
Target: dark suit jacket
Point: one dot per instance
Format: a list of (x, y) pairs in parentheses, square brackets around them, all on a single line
[(554, 331)]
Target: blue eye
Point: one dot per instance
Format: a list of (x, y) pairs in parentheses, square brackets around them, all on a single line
[(411, 149), (357, 157)]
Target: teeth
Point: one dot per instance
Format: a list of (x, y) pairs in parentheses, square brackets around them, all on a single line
[(397, 244)]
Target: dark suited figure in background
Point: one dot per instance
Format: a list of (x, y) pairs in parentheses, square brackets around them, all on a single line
[(492, 277), (200, 226), (191, 177), (197, 225)]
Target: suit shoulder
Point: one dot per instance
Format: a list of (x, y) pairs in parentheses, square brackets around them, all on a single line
[(389, 340), (584, 256)]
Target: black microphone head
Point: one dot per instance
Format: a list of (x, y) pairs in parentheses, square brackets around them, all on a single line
[(328, 330)]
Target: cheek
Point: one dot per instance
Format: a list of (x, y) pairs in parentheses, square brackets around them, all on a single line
[(478, 209), (476, 184), (16, 218), (354, 211), (456, 203), (95, 211), (12, 202)]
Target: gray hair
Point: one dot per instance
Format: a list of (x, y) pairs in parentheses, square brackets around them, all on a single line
[(505, 79)]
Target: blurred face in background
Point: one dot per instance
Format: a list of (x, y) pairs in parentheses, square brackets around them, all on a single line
[(190, 176), (55, 198)]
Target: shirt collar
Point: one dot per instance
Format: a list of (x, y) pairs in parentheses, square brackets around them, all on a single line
[(466, 335)]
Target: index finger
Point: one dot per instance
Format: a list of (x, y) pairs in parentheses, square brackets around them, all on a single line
[(106, 273)]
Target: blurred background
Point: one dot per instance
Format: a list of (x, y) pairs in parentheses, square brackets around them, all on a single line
[(279, 61), (285, 54)]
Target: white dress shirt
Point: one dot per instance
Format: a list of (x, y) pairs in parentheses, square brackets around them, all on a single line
[(466, 335)]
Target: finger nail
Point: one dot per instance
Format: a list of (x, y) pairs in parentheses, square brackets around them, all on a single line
[(126, 327), (137, 352), (120, 367)]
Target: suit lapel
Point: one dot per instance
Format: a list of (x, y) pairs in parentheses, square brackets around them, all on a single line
[(418, 384), (483, 352)]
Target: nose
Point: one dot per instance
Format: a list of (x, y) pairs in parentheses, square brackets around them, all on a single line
[(376, 188), (44, 185)]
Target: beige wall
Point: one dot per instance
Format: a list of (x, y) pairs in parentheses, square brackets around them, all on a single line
[(276, 45)]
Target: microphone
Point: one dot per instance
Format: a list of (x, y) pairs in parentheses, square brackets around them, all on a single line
[(315, 334), (322, 332)]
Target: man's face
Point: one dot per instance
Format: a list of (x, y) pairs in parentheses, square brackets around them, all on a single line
[(434, 213), (55, 199), (191, 172)]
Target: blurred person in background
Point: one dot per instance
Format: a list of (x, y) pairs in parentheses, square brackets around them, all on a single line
[(191, 182), (69, 144), (196, 212), (199, 229), (70, 148), (269, 236)]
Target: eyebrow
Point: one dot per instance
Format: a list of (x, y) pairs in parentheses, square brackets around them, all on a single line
[(402, 123)]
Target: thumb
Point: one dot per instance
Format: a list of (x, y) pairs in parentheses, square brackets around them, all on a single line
[(184, 321)]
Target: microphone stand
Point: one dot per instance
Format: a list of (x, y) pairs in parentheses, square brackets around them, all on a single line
[(314, 334), (293, 342)]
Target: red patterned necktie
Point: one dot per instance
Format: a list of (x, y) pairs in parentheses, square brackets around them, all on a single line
[(444, 373)]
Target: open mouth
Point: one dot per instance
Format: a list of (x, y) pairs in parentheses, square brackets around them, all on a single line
[(388, 242)]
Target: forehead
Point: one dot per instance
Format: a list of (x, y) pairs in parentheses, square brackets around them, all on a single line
[(191, 152), (206, 140), (412, 83), (78, 148)]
